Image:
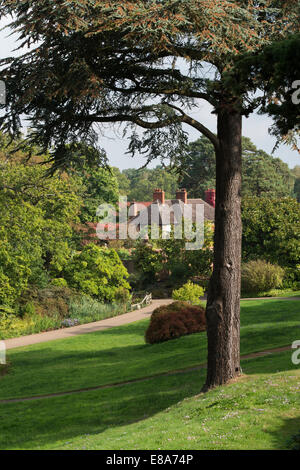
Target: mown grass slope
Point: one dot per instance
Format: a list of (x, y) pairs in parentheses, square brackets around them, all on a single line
[(261, 410), (120, 354)]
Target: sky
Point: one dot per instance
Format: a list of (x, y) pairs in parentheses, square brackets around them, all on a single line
[(256, 126)]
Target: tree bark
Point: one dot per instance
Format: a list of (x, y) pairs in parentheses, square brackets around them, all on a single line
[(223, 303)]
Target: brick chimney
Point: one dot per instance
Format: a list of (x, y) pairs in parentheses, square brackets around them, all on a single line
[(210, 197), (159, 195), (133, 209), (181, 195)]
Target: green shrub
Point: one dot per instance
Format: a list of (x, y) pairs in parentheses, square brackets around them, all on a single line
[(53, 308), (97, 272), (59, 282), (189, 292), (13, 326), (260, 276), (37, 323), (175, 320), (29, 309), (5, 309), (292, 278), (160, 293), (124, 254), (7, 317), (122, 295), (14, 274), (136, 280), (52, 300), (148, 261), (271, 230)]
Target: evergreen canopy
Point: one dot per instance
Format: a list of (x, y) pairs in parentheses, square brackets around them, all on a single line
[(142, 62), (275, 70)]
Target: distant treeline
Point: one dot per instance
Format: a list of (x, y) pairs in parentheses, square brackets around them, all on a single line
[(263, 175)]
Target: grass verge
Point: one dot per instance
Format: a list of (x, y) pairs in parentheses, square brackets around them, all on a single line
[(261, 410)]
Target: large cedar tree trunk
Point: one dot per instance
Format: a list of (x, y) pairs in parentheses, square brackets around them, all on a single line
[(223, 303)]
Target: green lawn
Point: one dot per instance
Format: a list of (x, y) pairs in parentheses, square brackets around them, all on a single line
[(275, 293), (260, 411), (121, 354)]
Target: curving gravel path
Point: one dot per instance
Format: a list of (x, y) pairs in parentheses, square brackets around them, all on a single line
[(119, 320), (103, 324)]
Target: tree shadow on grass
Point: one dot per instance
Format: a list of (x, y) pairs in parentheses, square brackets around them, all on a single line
[(269, 364), (48, 371), (269, 311), (52, 422), (287, 436)]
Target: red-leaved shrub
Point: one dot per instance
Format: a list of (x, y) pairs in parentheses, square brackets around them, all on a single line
[(175, 320)]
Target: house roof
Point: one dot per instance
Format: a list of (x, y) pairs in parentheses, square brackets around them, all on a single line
[(163, 216), (209, 211)]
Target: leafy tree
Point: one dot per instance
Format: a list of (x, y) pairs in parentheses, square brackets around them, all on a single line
[(89, 165), (263, 175), (296, 173), (143, 182), (182, 263), (36, 217), (149, 261), (123, 181), (198, 168), (98, 272), (271, 231), (170, 255), (99, 62), (14, 267), (101, 186), (138, 184)]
